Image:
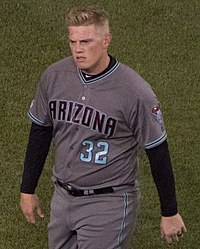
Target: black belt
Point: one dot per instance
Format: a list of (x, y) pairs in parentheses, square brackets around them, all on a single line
[(79, 192)]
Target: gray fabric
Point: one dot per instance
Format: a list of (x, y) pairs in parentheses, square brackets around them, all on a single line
[(103, 221), (98, 126)]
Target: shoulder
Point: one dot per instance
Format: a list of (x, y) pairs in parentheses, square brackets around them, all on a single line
[(132, 82), (64, 65), (58, 72)]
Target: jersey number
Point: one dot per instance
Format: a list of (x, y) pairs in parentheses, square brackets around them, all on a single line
[(99, 157)]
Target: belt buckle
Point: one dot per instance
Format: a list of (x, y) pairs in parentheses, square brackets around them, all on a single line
[(69, 187), (73, 191)]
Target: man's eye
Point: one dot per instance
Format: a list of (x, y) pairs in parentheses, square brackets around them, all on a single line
[(84, 42)]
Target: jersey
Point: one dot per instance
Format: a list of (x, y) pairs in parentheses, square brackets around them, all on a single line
[(98, 123)]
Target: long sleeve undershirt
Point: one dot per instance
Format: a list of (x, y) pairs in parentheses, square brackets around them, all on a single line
[(37, 150), (161, 169)]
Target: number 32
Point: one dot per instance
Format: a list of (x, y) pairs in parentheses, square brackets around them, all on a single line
[(99, 157)]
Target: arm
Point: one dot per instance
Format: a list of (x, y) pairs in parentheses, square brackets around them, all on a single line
[(171, 222), (37, 150)]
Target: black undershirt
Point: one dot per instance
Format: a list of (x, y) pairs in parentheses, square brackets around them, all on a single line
[(37, 150), (162, 172)]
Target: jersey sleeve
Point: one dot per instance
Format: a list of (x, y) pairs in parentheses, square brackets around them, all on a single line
[(38, 111), (147, 120)]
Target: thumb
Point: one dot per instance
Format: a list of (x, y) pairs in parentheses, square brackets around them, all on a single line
[(40, 213), (162, 233)]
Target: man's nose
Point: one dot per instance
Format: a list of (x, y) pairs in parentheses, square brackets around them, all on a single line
[(78, 48)]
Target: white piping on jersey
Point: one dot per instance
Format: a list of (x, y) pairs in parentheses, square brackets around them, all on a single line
[(156, 142), (35, 120), (123, 225), (89, 81)]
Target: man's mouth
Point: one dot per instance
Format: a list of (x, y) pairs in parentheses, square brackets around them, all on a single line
[(80, 58)]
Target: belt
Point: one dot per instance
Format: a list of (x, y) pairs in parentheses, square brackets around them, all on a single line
[(79, 192)]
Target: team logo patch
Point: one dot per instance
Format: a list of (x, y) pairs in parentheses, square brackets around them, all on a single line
[(156, 109), (158, 114)]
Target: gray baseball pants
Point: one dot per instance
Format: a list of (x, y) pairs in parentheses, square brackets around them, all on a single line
[(105, 221)]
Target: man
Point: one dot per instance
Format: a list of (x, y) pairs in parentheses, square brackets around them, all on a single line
[(99, 112)]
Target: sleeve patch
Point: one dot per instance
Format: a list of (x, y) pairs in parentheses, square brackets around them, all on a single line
[(158, 114)]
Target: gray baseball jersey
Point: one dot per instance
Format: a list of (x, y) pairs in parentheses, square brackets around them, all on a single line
[(98, 124)]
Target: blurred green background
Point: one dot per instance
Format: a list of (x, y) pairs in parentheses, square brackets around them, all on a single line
[(161, 41)]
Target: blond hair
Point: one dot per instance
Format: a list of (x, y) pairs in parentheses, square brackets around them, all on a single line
[(88, 16)]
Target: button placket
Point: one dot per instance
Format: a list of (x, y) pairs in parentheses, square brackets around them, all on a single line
[(84, 94)]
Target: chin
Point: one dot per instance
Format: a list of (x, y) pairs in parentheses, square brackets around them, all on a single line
[(81, 65), (83, 68)]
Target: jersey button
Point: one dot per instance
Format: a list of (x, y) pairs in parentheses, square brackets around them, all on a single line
[(83, 98)]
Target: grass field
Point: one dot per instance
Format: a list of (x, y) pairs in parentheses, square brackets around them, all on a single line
[(161, 40)]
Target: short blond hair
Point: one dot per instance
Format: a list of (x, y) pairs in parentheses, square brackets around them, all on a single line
[(88, 16)]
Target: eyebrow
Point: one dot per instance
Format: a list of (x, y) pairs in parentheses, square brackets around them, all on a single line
[(83, 40)]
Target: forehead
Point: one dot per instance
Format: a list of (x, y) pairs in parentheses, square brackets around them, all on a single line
[(83, 32)]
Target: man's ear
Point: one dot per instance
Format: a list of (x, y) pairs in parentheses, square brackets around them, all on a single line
[(107, 40)]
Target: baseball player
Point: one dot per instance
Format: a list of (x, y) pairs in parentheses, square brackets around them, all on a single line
[(97, 112)]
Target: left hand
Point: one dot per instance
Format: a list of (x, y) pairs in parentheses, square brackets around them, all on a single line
[(172, 228)]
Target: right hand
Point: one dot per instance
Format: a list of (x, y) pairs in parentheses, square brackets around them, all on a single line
[(30, 206)]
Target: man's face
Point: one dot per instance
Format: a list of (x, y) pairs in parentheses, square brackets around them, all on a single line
[(89, 45)]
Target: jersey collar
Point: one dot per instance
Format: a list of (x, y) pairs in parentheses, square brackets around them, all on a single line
[(87, 79)]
